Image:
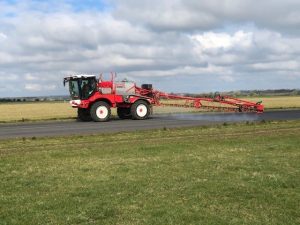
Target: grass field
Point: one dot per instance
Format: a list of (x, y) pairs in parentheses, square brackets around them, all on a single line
[(35, 111), (205, 175), (47, 111), (278, 102)]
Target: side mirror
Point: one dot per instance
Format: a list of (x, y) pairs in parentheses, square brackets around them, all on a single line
[(66, 79)]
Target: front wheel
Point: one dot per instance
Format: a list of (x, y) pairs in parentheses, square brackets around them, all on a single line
[(83, 115), (140, 110), (100, 111)]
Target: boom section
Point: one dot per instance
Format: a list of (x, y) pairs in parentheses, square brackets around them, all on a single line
[(215, 103)]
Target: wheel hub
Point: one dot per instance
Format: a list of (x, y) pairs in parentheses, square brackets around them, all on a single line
[(102, 112), (141, 110)]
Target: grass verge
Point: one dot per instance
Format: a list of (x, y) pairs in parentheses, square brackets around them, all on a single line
[(230, 174)]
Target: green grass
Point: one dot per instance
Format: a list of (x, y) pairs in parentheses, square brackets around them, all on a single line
[(230, 174)]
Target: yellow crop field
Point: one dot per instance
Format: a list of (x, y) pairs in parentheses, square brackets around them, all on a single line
[(35, 111), (280, 102), (11, 112)]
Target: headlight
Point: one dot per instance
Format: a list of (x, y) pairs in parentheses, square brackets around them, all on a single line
[(75, 102)]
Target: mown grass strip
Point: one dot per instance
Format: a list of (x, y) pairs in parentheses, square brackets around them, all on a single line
[(233, 174)]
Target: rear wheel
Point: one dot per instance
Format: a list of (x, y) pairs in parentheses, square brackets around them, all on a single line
[(100, 111), (123, 113), (140, 110), (84, 115)]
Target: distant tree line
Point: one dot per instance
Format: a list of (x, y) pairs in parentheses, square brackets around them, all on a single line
[(12, 100), (36, 99)]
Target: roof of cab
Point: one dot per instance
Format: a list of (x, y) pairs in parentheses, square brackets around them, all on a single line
[(82, 76)]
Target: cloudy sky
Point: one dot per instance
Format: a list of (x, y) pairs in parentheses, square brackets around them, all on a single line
[(178, 45)]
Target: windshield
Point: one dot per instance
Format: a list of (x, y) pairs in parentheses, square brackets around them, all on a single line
[(74, 89), (82, 88)]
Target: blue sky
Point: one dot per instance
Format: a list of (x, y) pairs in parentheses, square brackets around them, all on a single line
[(52, 5), (179, 46)]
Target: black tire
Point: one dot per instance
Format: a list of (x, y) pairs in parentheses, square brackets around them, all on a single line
[(100, 112), (140, 110), (83, 115), (123, 113)]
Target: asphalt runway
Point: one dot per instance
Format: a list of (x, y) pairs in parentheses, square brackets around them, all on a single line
[(59, 128)]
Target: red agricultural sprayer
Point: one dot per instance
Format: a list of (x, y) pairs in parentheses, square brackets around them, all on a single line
[(95, 98)]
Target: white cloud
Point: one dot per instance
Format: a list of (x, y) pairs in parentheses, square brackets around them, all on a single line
[(34, 87), (8, 77), (227, 78), (284, 65), (203, 14), (211, 40), (151, 41), (30, 77), (2, 36)]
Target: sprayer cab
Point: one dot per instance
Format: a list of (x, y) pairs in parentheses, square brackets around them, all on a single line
[(81, 86)]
